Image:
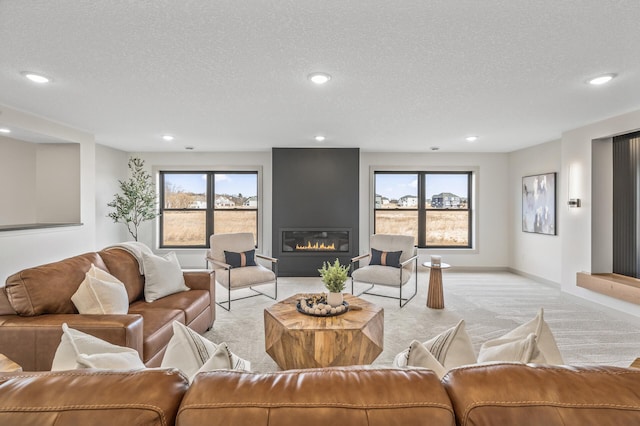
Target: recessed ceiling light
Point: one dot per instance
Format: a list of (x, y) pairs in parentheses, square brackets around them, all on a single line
[(601, 79), (168, 138), (4, 130), (319, 138), (319, 77), (471, 138), (36, 78)]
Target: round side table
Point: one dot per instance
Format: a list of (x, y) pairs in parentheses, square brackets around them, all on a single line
[(435, 297)]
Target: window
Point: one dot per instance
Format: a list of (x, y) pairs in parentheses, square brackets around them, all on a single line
[(194, 205), (433, 207)]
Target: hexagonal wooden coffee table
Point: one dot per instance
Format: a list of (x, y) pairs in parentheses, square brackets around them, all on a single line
[(296, 340)]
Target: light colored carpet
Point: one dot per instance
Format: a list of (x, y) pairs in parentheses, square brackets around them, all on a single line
[(491, 303)]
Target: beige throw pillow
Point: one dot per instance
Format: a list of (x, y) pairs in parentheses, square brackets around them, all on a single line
[(162, 276), (547, 349), (191, 353), (75, 343), (101, 293)]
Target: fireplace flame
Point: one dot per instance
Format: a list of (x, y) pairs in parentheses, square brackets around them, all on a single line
[(316, 246)]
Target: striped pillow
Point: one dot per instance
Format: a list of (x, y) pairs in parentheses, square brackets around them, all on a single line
[(238, 260)]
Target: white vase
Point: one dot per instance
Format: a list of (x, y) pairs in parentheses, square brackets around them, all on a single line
[(334, 299)]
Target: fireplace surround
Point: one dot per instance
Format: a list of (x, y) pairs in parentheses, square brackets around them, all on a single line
[(315, 208)]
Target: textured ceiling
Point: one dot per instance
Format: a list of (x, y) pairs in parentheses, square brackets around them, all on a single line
[(226, 75)]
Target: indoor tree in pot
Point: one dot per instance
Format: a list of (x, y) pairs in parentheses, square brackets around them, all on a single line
[(334, 277), (138, 200)]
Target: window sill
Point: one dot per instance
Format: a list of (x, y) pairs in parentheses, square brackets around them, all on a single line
[(26, 226)]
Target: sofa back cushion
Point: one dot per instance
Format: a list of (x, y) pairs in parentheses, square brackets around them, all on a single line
[(351, 396), (144, 397), (124, 266), (520, 394), (47, 289)]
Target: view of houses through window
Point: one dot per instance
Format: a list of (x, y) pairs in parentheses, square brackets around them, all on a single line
[(194, 205), (433, 207)]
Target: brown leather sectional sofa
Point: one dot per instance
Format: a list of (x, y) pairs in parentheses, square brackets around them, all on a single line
[(38, 300), (498, 394)]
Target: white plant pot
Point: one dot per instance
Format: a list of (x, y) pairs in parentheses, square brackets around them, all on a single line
[(335, 299)]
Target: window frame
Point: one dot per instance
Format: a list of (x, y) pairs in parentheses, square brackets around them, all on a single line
[(421, 208), (210, 209)]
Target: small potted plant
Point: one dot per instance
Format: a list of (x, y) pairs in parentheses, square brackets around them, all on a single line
[(334, 277)]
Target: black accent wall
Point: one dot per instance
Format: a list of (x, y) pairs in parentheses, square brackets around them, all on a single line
[(626, 208), (314, 188)]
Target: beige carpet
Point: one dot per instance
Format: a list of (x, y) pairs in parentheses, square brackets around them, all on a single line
[(490, 303)]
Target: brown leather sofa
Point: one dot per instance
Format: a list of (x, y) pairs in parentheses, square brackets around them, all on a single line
[(39, 301), (498, 394)]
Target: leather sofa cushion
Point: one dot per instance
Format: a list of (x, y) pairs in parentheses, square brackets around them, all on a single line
[(520, 394), (124, 266), (47, 289), (33, 341), (157, 327), (149, 397), (192, 303), (351, 396)]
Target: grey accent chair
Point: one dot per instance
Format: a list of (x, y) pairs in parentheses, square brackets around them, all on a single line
[(233, 278), (389, 276)]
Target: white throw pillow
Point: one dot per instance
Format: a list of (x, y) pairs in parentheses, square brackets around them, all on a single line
[(452, 348), (101, 293), (162, 276), (111, 361), (189, 352), (419, 356), (548, 352), (449, 349), (74, 343), (523, 350), (220, 360)]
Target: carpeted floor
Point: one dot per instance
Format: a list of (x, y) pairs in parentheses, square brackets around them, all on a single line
[(491, 303)]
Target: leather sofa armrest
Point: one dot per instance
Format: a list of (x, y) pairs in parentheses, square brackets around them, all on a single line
[(518, 394), (91, 397), (32, 341), (197, 280), (203, 280), (5, 306)]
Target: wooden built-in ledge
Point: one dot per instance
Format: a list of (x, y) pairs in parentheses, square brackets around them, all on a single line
[(636, 363), (613, 285)]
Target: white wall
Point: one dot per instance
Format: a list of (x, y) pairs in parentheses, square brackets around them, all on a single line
[(602, 211), (41, 182), (22, 249), (58, 183), (577, 223), (535, 255), (211, 161), (491, 246), (18, 174), (111, 166)]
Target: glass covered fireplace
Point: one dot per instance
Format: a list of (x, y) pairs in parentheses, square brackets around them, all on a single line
[(327, 240)]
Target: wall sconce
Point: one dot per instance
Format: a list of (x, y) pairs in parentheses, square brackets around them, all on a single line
[(573, 201)]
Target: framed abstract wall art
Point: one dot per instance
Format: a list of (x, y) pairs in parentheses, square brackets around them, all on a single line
[(539, 204)]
